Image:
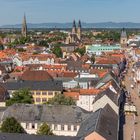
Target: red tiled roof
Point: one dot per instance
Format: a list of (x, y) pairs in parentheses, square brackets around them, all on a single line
[(106, 61), (74, 95), (86, 66), (41, 57), (100, 72), (68, 74), (89, 91), (3, 55), (34, 75)]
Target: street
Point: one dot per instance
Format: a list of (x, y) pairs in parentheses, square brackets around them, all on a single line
[(131, 128)]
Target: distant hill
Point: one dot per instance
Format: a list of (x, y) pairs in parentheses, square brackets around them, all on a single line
[(84, 25)]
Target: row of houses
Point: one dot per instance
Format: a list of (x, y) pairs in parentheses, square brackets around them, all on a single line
[(76, 122), (95, 116), (95, 87)]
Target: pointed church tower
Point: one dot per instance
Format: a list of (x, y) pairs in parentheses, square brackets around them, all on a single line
[(123, 40), (24, 27), (74, 28), (79, 30)]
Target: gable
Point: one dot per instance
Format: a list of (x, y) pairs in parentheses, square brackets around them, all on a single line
[(94, 136)]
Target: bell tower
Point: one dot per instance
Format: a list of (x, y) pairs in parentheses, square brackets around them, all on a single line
[(24, 27), (123, 40), (79, 30), (74, 28)]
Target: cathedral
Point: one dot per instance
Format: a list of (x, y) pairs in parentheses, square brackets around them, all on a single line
[(75, 35), (123, 40), (24, 27)]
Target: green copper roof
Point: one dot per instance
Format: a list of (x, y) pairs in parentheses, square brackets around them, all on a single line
[(102, 47)]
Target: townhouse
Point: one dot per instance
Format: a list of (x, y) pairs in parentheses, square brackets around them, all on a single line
[(41, 91), (106, 97), (32, 116), (78, 123), (40, 83), (86, 98), (29, 58), (101, 125)]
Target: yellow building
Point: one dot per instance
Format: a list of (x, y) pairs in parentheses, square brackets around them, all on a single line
[(41, 91), (42, 96)]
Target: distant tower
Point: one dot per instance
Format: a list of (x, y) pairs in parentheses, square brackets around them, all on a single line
[(123, 40), (74, 28), (24, 27), (79, 30)]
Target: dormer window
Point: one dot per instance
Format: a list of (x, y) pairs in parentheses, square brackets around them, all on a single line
[(33, 126), (75, 128)]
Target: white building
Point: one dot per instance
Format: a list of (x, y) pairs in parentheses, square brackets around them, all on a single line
[(86, 98), (82, 80), (63, 120), (104, 98), (34, 59)]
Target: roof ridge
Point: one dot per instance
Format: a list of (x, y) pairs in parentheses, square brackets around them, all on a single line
[(100, 110)]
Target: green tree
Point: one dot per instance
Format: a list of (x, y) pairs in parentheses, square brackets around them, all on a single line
[(43, 43), (57, 51), (10, 125), (20, 96), (60, 99), (109, 35), (44, 130), (20, 41), (80, 50)]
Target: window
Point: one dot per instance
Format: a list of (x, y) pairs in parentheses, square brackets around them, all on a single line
[(44, 93), (33, 126), (38, 100), (55, 127), (75, 128), (62, 127), (27, 125), (50, 93), (37, 93), (44, 100), (69, 128)]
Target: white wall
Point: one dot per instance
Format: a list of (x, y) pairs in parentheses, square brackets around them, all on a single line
[(102, 102), (85, 102), (2, 104), (57, 131), (73, 84), (37, 61)]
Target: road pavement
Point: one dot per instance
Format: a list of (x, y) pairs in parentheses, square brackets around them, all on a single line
[(132, 125)]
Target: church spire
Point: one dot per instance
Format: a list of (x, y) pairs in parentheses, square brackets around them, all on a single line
[(74, 27), (123, 40), (24, 27), (79, 24), (74, 24), (79, 30), (123, 33)]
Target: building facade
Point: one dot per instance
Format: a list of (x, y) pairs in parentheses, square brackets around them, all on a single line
[(99, 49)]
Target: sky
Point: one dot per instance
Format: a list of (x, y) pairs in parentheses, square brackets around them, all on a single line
[(90, 11)]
